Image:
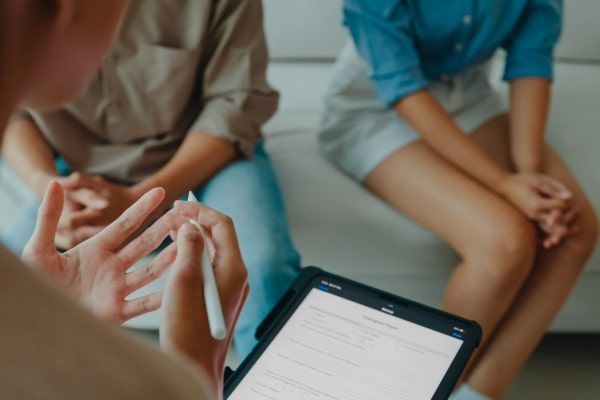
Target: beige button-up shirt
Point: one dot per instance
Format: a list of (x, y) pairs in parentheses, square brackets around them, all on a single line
[(178, 67)]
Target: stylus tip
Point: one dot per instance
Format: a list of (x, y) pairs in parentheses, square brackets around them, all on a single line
[(192, 197)]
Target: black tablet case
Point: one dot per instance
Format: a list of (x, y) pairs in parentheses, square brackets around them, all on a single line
[(309, 273)]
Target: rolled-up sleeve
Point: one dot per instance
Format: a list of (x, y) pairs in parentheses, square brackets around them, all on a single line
[(530, 49), (237, 98), (381, 32)]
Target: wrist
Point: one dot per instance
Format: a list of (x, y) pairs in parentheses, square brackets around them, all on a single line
[(500, 182), (208, 366), (531, 166), (503, 185)]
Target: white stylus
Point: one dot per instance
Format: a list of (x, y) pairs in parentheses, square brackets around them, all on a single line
[(216, 320)]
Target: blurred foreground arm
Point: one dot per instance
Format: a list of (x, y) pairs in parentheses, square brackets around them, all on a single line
[(53, 349), (29, 154)]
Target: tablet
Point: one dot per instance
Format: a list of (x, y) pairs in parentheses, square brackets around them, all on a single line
[(335, 339)]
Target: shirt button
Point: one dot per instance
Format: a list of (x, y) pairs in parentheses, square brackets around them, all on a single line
[(467, 19), (458, 47)]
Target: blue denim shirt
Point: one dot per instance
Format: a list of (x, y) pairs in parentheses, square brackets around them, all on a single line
[(409, 42)]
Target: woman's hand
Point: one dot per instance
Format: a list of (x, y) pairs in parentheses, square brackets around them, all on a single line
[(543, 200), (95, 271), (184, 328), (564, 226)]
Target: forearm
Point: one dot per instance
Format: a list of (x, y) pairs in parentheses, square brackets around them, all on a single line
[(530, 100), (437, 128), (29, 154), (198, 158)]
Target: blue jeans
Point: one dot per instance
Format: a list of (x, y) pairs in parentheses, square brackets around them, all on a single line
[(248, 192)]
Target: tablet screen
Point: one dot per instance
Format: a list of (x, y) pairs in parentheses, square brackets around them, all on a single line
[(342, 343)]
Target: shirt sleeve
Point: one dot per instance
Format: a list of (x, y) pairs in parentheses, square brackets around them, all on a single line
[(382, 34), (237, 98), (530, 49)]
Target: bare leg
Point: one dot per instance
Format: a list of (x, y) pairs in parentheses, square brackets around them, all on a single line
[(496, 243), (497, 247), (546, 289)]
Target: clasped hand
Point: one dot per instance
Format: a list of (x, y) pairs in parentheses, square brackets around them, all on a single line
[(545, 201), (91, 203)]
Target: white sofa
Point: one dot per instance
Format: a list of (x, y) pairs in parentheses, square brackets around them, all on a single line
[(339, 226)]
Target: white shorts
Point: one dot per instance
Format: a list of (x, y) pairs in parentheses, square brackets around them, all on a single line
[(357, 131)]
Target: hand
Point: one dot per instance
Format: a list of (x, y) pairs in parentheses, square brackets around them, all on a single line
[(91, 204), (95, 271), (184, 329), (545, 201), (95, 192), (76, 199), (564, 227)]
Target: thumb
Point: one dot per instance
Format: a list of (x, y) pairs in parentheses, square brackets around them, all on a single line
[(48, 216), (189, 250)]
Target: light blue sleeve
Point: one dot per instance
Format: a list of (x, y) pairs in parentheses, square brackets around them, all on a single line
[(530, 50), (380, 30)]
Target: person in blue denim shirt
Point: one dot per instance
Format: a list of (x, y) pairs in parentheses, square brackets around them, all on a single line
[(179, 103), (410, 114)]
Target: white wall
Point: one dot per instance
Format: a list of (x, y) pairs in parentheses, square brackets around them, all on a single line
[(581, 35)]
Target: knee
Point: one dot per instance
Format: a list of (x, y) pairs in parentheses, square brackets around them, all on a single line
[(506, 248), (591, 236), (582, 245), (589, 233)]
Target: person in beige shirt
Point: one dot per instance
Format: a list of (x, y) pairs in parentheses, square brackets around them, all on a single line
[(178, 102), (51, 347)]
